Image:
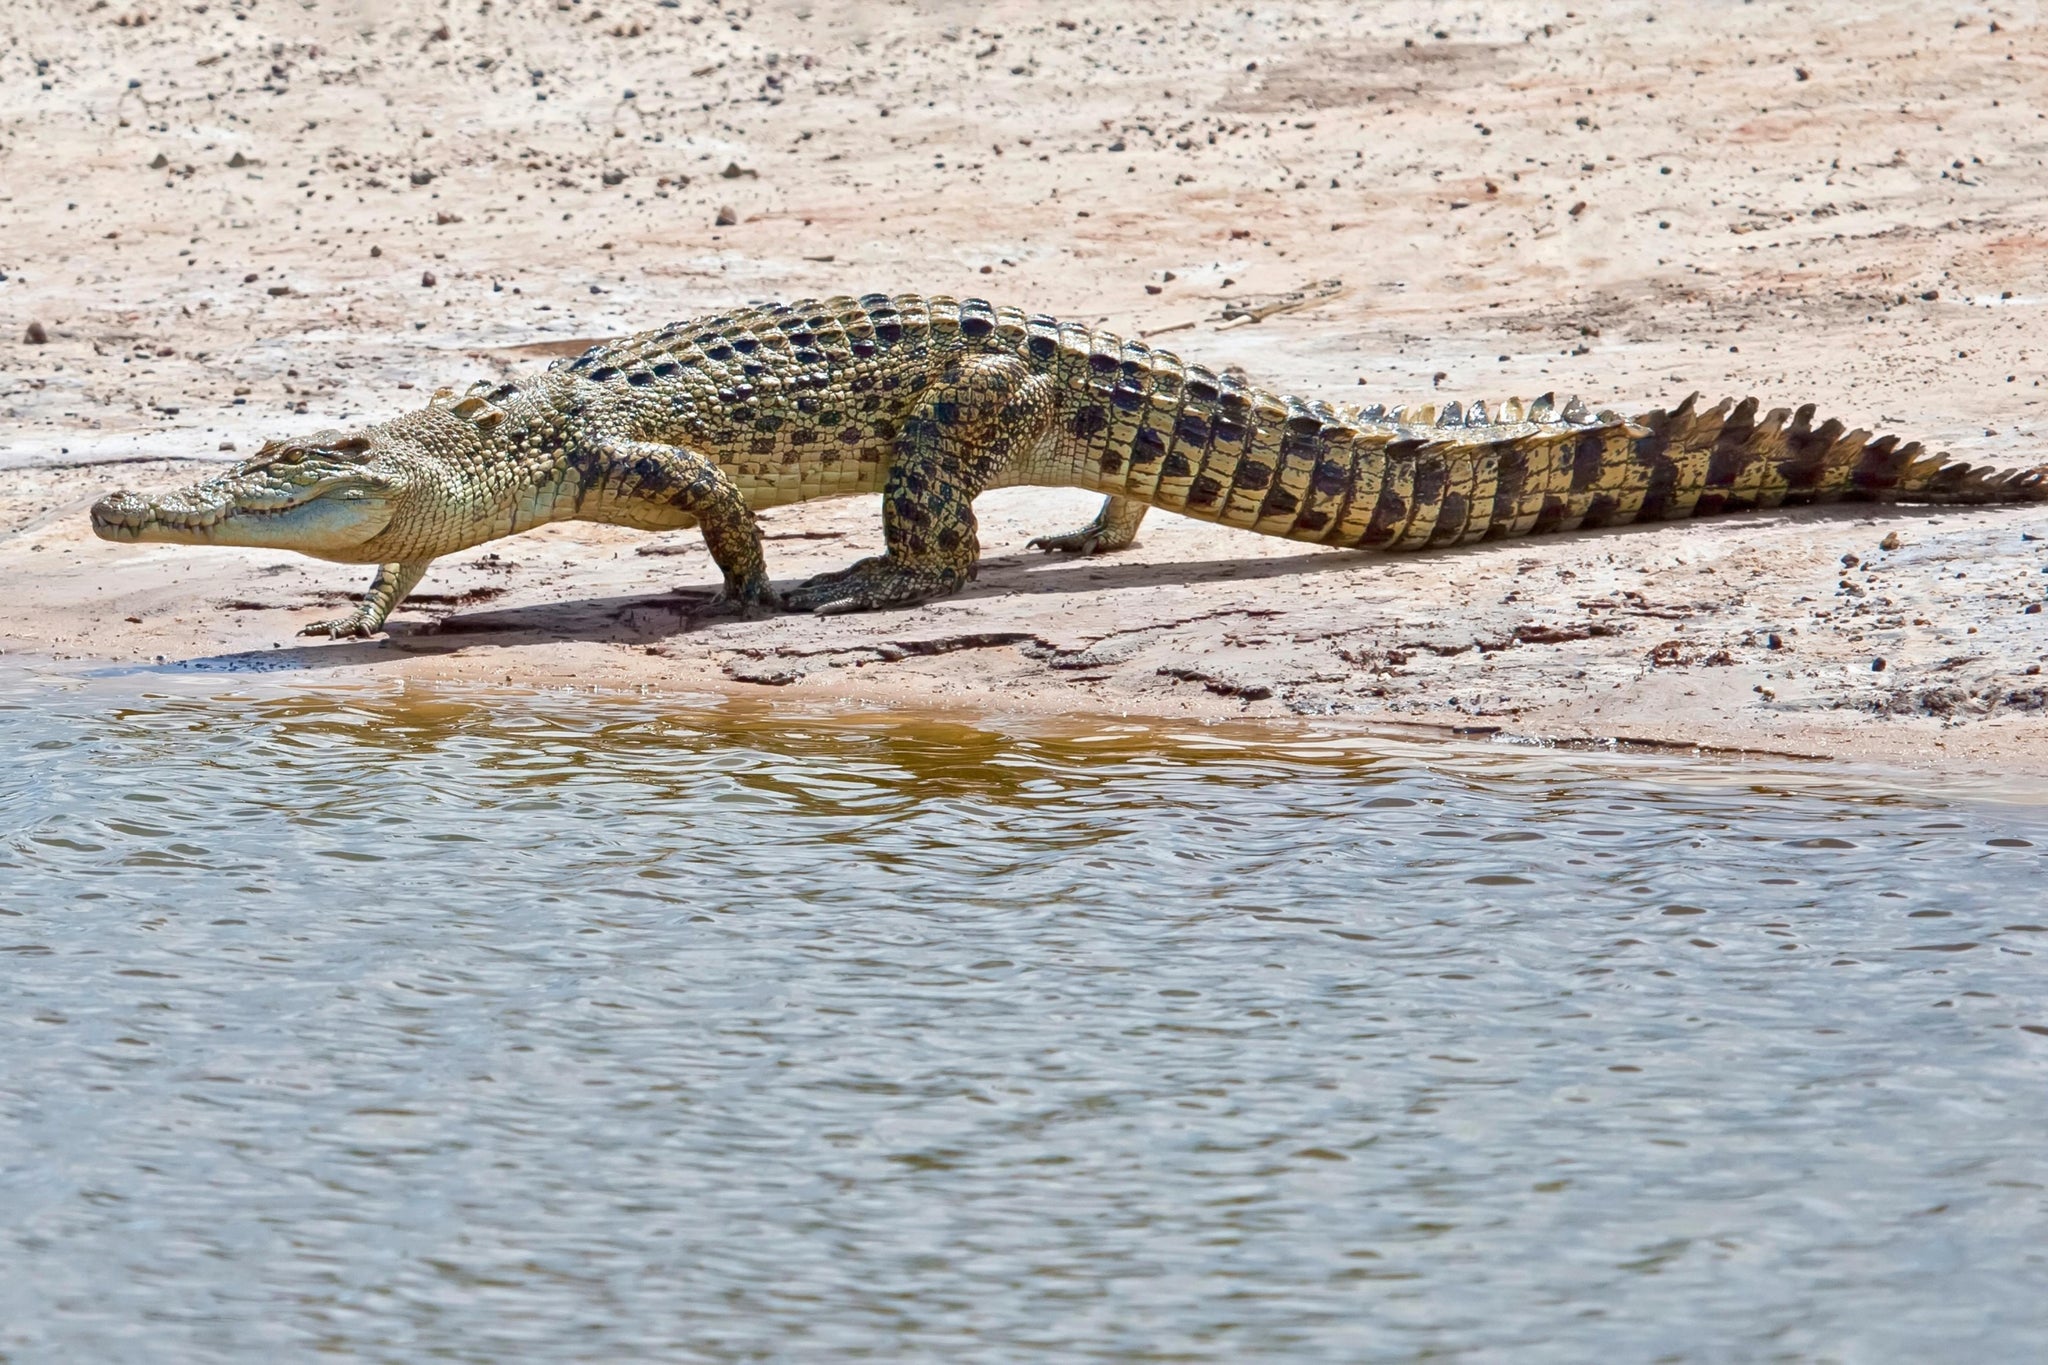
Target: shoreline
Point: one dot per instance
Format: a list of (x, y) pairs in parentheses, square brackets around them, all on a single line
[(1217, 734)]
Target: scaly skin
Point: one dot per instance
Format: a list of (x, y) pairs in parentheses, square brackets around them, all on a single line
[(930, 401)]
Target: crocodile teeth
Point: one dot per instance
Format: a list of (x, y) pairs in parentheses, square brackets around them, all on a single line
[(1575, 411), (1477, 416), (1511, 411), (1544, 408), (1453, 415)]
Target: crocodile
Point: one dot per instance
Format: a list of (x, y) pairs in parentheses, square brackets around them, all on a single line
[(929, 401)]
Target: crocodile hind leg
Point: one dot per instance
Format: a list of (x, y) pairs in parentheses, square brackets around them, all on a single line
[(655, 485), (1114, 528), (978, 414), (387, 590)]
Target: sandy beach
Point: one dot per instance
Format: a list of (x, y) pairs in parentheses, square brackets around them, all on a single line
[(224, 223)]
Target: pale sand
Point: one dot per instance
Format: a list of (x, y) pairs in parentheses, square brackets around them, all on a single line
[(1834, 204)]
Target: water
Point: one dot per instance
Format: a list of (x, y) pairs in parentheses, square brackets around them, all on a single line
[(456, 1026)]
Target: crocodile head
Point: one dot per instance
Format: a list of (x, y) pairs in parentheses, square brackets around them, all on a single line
[(330, 495)]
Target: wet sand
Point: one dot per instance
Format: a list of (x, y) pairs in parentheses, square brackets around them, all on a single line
[(1793, 202)]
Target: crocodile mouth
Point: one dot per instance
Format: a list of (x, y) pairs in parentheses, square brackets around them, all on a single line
[(322, 520), (127, 516)]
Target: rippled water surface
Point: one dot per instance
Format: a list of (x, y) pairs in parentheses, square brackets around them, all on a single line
[(459, 1026)]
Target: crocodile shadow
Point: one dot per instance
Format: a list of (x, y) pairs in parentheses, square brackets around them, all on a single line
[(649, 619)]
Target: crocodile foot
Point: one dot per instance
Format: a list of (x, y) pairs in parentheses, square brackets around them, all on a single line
[(1115, 527), (749, 601), (872, 583), (1086, 541), (354, 626)]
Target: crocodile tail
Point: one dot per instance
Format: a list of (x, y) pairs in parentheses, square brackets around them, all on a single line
[(1784, 458), (1420, 479)]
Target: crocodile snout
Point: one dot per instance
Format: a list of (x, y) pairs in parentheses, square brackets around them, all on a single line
[(120, 516)]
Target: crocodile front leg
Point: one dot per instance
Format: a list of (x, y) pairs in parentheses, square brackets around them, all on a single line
[(387, 590), (967, 425), (677, 480), (1114, 528)]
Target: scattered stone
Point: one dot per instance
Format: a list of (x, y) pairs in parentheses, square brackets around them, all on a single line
[(422, 177), (726, 217), (444, 218), (427, 280), (278, 291), (614, 177), (237, 161), (36, 335), (769, 672), (1891, 541), (160, 163), (376, 251), (733, 171)]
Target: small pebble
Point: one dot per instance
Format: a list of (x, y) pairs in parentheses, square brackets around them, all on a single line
[(36, 335), (427, 280), (1890, 542)]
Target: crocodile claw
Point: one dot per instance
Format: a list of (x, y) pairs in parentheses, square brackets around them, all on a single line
[(750, 601), (351, 627), (872, 584), (1082, 542)]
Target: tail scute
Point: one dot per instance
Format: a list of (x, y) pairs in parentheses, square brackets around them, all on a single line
[(1423, 476), (1783, 457)]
